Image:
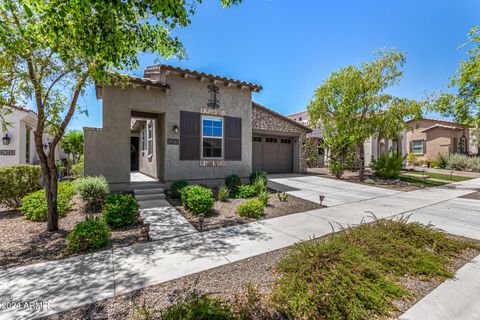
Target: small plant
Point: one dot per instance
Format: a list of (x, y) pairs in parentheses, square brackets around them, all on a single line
[(120, 210), (412, 159), (232, 182), (263, 197), (244, 191), (282, 196), (77, 168), (336, 168), (93, 190), (16, 182), (197, 199), (260, 185), (370, 181), (252, 208), (88, 236), (223, 193), (258, 174), (388, 166), (34, 206), (176, 187)]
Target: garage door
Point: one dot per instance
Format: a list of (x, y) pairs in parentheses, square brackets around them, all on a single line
[(272, 154)]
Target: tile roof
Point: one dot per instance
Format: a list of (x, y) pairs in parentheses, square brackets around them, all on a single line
[(165, 67), (441, 126), (19, 108)]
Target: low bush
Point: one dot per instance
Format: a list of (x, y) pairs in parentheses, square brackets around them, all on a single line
[(199, 307), (223, 193), (232, 182), (252, 208), (259, 174), (264, 196), (88, 236), (77, 168), (16, 182), (412, 159), (176, 187), (336, 168), (244, 191), (34, 206), (120, 210), (93, 190), (260, 185), (388, 166), (197, 199), (282, 196), (442, 160)]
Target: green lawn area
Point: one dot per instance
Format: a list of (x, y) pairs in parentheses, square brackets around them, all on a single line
[(441, 176), (421, 181)]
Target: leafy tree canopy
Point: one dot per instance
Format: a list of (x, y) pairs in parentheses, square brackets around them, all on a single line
[(72, 142)]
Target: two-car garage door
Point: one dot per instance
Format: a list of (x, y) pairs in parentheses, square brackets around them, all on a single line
[(272, 154)]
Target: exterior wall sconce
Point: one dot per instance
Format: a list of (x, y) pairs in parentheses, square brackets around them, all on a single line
[(6, 140), (176, 129)]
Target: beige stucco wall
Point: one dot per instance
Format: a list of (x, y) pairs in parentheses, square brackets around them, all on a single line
[(107, 150), (438, 140)]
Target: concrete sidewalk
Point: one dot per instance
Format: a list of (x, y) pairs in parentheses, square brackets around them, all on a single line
[(84, 279)]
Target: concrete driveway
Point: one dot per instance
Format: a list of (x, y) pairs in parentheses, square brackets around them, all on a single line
[(336, 192)]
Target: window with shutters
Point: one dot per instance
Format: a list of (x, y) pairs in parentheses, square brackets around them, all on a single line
[(212, 137), (417, 147)]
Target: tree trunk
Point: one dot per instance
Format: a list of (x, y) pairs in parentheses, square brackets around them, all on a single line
[(51, 188), (361, 161)]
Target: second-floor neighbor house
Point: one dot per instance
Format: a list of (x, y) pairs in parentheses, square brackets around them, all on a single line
[(315, 137)]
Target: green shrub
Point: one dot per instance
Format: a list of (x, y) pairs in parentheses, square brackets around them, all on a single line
[(16, 182), (412, 159), (282, 196), (176, 187), (232, 182), (258, 174), (260, 185), (120, 210), (458, 162), (88, 236), (388, 166), (77, 168), (263, 197), (197, 199), (252, 208), (244, 191), (223, 193), (34, 206), (199, 307), (93, 190), (336, 168)]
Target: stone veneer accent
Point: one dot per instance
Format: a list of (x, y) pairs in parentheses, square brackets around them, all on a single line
[(268, 120)]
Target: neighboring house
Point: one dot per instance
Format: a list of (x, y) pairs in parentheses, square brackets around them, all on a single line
[(176, 123), (18, 145), (429, 137)]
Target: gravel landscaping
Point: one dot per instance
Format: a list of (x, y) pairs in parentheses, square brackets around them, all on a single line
[(24, 242), (224, 213), (474, 196), (231, 282)]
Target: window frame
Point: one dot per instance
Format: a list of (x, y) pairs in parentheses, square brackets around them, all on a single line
[(422, 144), (222, 138), (28, 139), (150, 139)]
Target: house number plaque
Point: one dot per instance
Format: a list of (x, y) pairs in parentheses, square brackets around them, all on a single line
[(7, 152), (173, 141)]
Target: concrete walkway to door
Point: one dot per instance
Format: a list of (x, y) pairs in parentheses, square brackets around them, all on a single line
[(80, 280)]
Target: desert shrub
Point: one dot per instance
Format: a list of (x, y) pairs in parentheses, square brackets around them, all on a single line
[(474, 164), (370, 181), (412, 158), (34, 206), (258, 174), (120, 210), (263, 197), (282, 196), (198, 307), (176, 187), (197, 199), (388, 166), (336, 168), (77, 168), (252, 208), (88, 236), (442, 160), (232, 182), (16, 182), (244, 191), (458, 162), (93, 190), (260, 185), (223, 193)]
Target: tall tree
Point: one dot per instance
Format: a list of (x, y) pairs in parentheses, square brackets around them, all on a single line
[(72, 142), (50, 50), (352, 105), (464, 105)]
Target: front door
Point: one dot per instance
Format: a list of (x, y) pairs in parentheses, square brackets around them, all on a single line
[(134, 145)]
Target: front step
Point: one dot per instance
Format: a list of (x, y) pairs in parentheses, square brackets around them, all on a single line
[(146, 185), (148, 191), (153, 196)]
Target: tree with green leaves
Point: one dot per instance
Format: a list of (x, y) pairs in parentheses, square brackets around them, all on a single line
[(51, 50), (464, 105), (72, 142), (352, 105)]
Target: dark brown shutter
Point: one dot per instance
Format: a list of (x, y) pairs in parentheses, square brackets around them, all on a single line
[(189, 135), (411, 146), (233, 138), (424, 147)]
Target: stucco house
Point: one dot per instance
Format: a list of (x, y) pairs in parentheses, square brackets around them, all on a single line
[(175, 123), (18, 146)]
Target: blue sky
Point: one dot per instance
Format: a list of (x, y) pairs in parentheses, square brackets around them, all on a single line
[(290, 47)]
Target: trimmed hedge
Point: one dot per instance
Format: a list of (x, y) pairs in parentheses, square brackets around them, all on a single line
[(16, 182), (88, 236), (197, 199), (252, 208), (34, 206), (120, 210)]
